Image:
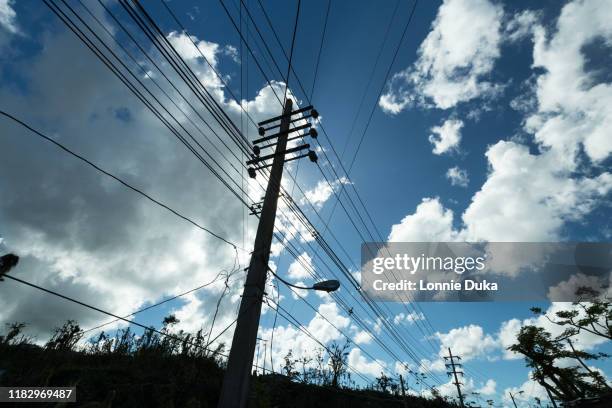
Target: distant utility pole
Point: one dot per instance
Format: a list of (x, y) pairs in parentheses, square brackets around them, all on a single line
[(235, 390), (454, 372)]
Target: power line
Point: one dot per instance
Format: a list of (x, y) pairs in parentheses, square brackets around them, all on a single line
[(295, 27), (259, 67), (316, 72), (370, 78), (97, 309), (399, 44)]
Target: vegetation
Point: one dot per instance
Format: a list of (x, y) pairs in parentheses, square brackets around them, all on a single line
[(172, 368), (555, 362)]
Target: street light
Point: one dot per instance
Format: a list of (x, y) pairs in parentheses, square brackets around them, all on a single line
[(323, 286), (7, 262)]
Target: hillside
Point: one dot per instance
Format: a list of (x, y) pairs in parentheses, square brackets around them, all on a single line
[(158, 380)]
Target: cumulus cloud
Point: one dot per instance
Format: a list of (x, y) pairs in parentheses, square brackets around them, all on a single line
[(489, 388), (468, 342), (529, 197), (522, 25), (574, 103), (458, 177), (446, 138), (361, 363), (297, 269), (319, 195), (430, 222), (453, 61)]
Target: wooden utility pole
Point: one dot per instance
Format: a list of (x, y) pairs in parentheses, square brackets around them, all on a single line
[(235, 390), (454, 372)]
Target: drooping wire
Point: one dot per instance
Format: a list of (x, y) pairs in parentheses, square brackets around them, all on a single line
[(97, 309), (119, 180), (295, 28), (399, 44), (316, 72)]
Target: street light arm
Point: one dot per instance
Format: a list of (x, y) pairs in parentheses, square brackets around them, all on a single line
[(289, 284), (324, 286)]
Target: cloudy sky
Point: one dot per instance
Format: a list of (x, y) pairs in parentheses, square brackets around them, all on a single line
[(494, 125)]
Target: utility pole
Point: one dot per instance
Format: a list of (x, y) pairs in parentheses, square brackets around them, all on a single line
[(454, 372), (235, 390)]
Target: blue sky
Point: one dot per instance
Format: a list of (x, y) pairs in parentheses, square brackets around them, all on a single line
[(500, 92)]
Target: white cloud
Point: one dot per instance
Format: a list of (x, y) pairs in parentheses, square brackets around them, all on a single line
[(436, 365), (454, 59), (448, 136), (507, 337), (521, 25), (575, 108), (525, 393), (489, 388), (8, 16), (527, 197), (362, 337), (411, 317), (430, 222), (457, 176), (468, 342), (288, 338), (364, 365), (323, 328), (297, 270), (319, 195), (296, 293)]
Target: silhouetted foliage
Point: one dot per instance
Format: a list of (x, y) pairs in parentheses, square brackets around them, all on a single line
[(337, 362), (543, 351), (66, 337), (127, 369)]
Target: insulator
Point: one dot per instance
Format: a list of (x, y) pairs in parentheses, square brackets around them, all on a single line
[(256, 150), (314, 113), (251, 172), (312, 156), (261, 131), (313, 133)]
